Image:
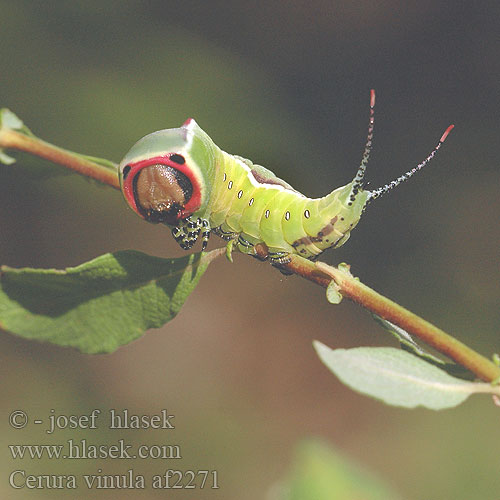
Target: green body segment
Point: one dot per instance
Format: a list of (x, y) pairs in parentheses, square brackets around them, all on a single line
[(285, 220), (250, 204), (195, 187)]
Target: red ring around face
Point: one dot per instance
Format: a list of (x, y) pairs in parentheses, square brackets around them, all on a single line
[(191, 206)]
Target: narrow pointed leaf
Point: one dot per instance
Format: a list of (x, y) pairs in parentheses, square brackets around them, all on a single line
[(100, 305), (397, 377)]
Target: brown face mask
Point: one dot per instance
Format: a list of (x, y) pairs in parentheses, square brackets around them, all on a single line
[(161, 193)]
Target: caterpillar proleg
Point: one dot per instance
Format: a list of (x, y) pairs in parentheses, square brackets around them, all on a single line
[(180, 178)]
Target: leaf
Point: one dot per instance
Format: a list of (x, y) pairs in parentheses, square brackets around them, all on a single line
[(9, 121), (102, 304), (332, 293), (320, 473), (408, 344), (397, 377), (5, 158)]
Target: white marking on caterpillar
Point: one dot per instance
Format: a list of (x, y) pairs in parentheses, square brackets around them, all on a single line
[(309, 235), (255, 183)]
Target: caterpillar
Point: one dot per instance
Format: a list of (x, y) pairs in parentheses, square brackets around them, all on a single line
[(180, 178)]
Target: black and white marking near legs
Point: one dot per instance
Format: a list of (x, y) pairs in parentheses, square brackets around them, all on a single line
[(188, 232), (279, 258), (205, 235), (225, 235)]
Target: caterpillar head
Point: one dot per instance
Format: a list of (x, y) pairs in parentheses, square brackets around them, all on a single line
[(166, 175)]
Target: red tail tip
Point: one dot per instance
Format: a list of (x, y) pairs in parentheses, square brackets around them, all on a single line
[(372, 98), (446, 132)]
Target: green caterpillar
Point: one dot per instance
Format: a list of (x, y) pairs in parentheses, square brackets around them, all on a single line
[(180, 178)]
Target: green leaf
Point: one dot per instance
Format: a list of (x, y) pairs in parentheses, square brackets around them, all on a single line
[(397, 377), (320, 473), (333, 294), (102, 304), (408, 344), (9, 121), (5, 158)]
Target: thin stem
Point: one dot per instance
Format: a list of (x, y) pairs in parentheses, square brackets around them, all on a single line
[(319, 273), (435, 337), (10, 139)]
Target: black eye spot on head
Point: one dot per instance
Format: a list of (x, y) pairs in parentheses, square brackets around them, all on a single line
[(179, 159), (126, 171)]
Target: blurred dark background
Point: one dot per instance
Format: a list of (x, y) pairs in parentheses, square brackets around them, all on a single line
[(287, 85)]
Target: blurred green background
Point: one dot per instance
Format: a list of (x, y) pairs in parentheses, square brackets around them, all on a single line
[(287, 85)]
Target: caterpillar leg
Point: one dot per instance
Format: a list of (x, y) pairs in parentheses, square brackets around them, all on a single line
[(225, 235), (260, 251), (279, 258), (187, 232), (248, 247), (229, 251), (205, 233)]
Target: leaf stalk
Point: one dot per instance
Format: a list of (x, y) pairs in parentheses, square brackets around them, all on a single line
[(318, 273)]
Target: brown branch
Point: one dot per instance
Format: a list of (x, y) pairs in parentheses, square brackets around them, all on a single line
[(10, 139), (350, 287), (319, 273)]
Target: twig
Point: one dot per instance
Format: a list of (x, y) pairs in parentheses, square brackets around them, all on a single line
[(319, 273), (10, 139), (350, 287)]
